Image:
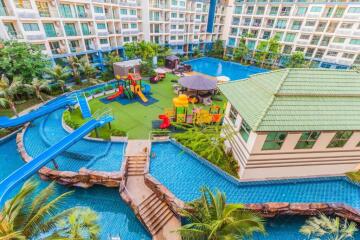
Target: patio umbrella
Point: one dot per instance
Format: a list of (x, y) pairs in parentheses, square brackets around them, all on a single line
[(198, 82)]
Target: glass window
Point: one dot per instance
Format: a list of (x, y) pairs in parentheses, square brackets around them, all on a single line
[(260, 10), (85, 29), (238, 10), (65, 10), (307, 140), (231, 41), (70, 29), (289, 37), (296, 25), (10, 29), (250, 10), (355, 41), (103, 41), (30, 27), (81, 11), (274, 140), (245, 130), (301, 11), (123, 11), (340, 139), (49, 29), (339, 40), (98, 9), (281, 24), (133, 25), (316, 9), (233, 114), (274, 10), (101, 26), (354, 10), (132, 12)]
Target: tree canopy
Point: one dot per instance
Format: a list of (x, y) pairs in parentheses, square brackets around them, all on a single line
[(22, 59)]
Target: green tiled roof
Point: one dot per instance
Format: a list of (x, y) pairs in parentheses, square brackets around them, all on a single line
[(298, 100)]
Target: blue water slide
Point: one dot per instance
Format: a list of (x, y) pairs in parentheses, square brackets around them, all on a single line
[(30, 168), (6, 122), (84, 106)]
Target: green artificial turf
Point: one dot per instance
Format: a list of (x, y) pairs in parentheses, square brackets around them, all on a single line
[(134, 118)]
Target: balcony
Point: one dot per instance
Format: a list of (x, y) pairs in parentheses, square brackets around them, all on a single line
[(33, 36), (129, 31)]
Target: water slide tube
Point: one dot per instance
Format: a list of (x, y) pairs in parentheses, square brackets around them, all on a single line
[(30, 168), (117, 94), (6, 122)]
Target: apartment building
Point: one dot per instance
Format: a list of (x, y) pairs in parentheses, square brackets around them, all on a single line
[(328, 32), (93, 27)]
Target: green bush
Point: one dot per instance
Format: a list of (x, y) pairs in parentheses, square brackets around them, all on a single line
[(108, 87), (146, 69), (354, 176), (68, 120)]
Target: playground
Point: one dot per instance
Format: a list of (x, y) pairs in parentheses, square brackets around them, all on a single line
[(136, 118)]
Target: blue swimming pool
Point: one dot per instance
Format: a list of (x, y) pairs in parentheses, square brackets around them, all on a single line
[(216, 67), (184, 175), (115, 217)]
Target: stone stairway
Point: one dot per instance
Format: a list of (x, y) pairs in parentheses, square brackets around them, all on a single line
[(136, 165), (151, 210), (154, 213)]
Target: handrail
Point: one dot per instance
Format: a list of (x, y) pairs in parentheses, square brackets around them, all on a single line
[(103, 112)]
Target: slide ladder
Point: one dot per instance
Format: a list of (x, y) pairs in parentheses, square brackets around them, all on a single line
[(49, 107), (84, 105), (30, 168)]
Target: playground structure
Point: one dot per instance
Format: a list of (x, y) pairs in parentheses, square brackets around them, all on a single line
[(131, 87), (159, 75), (182, 113)]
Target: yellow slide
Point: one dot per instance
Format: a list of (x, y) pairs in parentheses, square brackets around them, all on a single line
[(138, 91)]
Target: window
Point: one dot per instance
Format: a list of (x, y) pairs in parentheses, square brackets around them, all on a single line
[(103, 41), (332, 53), (304, 37), (31, 27), (346, 25), (10, 29), (85, 29), (289, 37), (23, 4), (65, 10), (281, 24), (348, 55), (260, 10), (340, 139), (339, 12), (70, 29), (126, 39), (296, 25), (43, 9), (355, 41), (274, 140), (231, 41), (132, 12), (133, 25), (101, 26), (98, 9), (81, 13), (238, 10), (245, 130), (49, 29), (174, 15), (319, 53), (354, 10), (307, 140), (123, 11), (301, 11), (316, 9), (310, 23), (287, 49), (339, 40), (274, 10), (233, 114), (250, 10)]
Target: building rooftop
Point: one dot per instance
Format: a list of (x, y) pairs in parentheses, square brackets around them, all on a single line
[(298, 100)]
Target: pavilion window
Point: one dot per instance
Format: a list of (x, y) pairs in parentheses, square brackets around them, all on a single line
[(245, 130), (340, 139), (233, 114), (274, 141), (307, 140)]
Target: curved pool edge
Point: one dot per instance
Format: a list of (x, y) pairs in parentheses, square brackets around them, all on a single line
[(83, 178), (266, 209)]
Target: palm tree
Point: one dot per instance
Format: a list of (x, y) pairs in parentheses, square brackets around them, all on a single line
[(80, 224), (76, 68), (8, 90), (211, 218), (89, 70), (31, 214), (329, 228), (38, 85), (59, 74)]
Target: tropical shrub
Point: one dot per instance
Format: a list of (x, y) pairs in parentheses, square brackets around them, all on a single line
[(217, 49), (323, 227), (211, 218), (146, 68), (297, 60), (208, 143)]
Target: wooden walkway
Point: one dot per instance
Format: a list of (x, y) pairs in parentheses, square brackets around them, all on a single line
[(154, 213)]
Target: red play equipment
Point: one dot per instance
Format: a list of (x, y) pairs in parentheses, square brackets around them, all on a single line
[(117, 94), (166, 121)]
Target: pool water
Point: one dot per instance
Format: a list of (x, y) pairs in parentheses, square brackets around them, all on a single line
[(184, 175), (47, 130), (115, 217), (216, 67)]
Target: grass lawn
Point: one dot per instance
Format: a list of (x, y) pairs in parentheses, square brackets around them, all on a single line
[(134, 118)]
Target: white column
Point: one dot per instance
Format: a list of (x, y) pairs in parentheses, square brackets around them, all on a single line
[(145, 15)]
